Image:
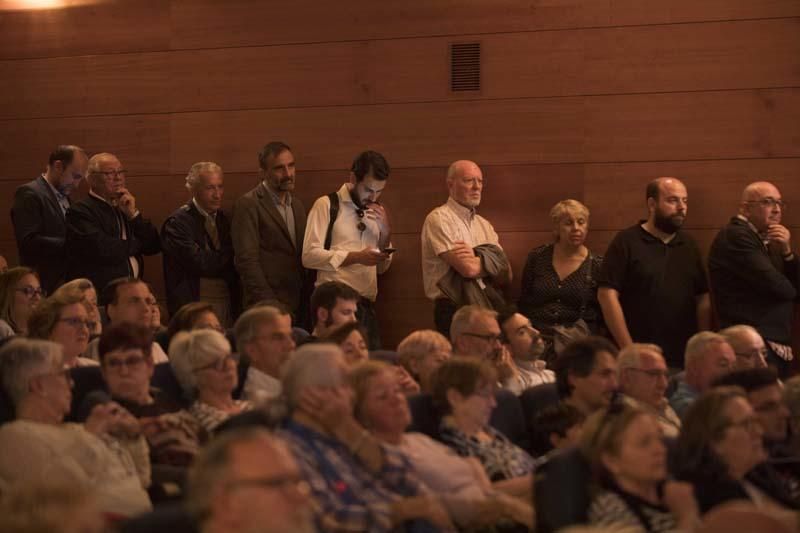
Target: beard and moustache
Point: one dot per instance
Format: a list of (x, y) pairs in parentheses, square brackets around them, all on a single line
[(668, 224)]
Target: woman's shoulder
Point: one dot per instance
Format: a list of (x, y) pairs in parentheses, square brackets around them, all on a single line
[(541, 251), (609, 508)]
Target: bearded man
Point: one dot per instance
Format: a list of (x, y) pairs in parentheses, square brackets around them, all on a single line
[(653, 286)]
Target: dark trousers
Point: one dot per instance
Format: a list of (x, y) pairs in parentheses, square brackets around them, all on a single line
[(365, 313), (443, 311)]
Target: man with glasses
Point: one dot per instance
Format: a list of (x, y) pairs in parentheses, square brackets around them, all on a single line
[(754, 272), (708, 357), (247, 480), (38, 214), (525, 345), (348, 235), (747, 344), (106, 233), (475, 332), (450, 234), (586, 374), (643, 379)]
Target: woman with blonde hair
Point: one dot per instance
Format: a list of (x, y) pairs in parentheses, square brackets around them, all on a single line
[(85, 289), (64, 319), (20, 293), (559, 281)]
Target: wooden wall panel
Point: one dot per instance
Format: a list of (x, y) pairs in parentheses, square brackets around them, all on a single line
[(96, 27), (205, 25)]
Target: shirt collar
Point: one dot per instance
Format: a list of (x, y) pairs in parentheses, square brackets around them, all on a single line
[(203, 211), (467, 213), (95, 195), (537, 366), (275, 197), (58, 193), (753, 228)]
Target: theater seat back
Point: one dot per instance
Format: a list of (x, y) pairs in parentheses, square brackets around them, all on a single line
[(562, 491)]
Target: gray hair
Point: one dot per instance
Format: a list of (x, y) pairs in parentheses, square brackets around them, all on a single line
[(317, 364), (735, 333), (631, 355), (418, 344), (463, 318), (698, 344), (198, 169), (22, 360), (246, 328), (192, 350), (210, 469)]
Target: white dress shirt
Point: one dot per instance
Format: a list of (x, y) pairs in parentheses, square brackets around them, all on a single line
[(260, 387)]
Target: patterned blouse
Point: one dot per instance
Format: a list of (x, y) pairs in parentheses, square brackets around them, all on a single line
[(548, 301), (210, 417), (501, 458), (611, 509)]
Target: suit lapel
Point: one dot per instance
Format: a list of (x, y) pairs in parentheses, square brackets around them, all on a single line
[(269, 206), (45, 187)]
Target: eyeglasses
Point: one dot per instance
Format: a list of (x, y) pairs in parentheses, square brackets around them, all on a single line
[(130, 363), (77, 323), (30, 292), (361, 225), (113, 173), (770, 203), (762, 352), (219, 365), (490, 338), (277, 482), (653, 373), (748, 424)]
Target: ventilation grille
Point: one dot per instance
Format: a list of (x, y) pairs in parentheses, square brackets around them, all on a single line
[(465, 67)]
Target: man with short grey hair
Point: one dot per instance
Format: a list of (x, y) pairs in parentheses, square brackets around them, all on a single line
[(265, 342), (643, 379), (247, 481), (708, 356), (475, 331), (748, 346), (198, 250)]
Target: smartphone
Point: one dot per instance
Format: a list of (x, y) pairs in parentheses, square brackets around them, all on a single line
[(389, 251)]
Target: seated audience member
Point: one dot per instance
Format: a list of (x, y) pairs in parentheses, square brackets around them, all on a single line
[(20, 293), (708, 356), (466, 491), (464, 393), (83, 288), (194, 315), (643, 379), (107, 453), (351, 338), (747, 344), (332, 304), (127, 366), (474, 331), (129, 302), (625, 448), (155, 315), (719, 448), (421, 353), (586, 374), (206, 370), (556, 427), (356, 483), (246, 480), (51, 507), (264, 339), (765, 394), (525, 344), (64, 320)]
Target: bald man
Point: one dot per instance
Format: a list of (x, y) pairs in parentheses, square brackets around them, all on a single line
[(450, 234), (653, 288), (754, 272), (106, 233)]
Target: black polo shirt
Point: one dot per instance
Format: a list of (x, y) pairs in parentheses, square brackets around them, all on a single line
[(658, 285)]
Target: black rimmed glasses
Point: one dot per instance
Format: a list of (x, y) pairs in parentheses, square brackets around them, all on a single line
[(30, 292), (769, 203), (122, 173), (219, 365), (77, 323), (490, 338)]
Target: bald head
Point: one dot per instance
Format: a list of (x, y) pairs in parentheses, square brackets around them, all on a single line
[(661, 186), (761, 205), (465, 183)]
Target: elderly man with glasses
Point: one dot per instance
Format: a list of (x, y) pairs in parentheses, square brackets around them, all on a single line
[(475, 332), (754, 272), (643, 379)]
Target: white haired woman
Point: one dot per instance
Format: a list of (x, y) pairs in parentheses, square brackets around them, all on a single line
[(207, 372), (106, 453)]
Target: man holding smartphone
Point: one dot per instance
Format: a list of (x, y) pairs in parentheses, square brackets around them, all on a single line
[(754, 272), (348, 236), (106, 233)]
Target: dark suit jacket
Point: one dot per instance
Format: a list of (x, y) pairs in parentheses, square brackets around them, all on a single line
[(269, 265), (189, 256), (94, 248), (751, 286), (40, 230)]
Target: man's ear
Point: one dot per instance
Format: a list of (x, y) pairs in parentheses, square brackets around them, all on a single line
[(610, 462), (454, 397), (352, 178), (322, 316)]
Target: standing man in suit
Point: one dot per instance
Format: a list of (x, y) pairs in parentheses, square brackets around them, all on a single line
[(269, 223), (198, 250), (106, 233), (38, 214)]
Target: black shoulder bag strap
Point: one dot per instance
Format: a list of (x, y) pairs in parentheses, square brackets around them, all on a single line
[(334, 198)]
